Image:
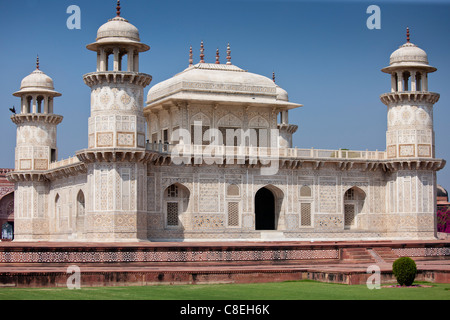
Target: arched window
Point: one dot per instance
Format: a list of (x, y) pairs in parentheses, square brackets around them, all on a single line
[(57, 212), (39, 106), (229, 126), (28, 105), (233, 212), (80, 204), (305, 206), (354, 199), (176, 198), (406, 82), (200, 124), (233, 190), (260, 127), (418, 82), (81, 207), (305, 191)]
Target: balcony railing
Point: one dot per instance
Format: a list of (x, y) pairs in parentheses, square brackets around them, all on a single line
[(64, 162), (226, 151)]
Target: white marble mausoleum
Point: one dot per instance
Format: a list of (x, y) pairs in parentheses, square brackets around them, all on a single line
[(207, 155)]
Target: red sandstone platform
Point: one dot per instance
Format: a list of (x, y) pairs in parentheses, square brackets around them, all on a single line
[(44, 264)]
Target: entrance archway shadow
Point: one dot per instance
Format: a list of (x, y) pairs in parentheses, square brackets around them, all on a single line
[(267, 207)]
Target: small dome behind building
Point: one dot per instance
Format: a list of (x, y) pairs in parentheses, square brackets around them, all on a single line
[(441, 192)]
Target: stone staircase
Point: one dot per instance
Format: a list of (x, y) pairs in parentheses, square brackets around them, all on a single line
[(386, 254), (356, 255)]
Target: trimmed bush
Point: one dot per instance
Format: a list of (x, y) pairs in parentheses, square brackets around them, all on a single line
[(404, 270)]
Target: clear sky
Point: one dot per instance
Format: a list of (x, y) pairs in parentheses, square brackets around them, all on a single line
[(322, 53)]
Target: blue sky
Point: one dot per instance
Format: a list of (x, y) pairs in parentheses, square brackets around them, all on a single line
[(322, 53)]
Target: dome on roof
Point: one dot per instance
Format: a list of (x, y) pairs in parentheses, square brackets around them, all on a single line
[(408, 55), (118, 31), (219, 82), (282, 94), (441, 192), (118, 27), (37, 81)]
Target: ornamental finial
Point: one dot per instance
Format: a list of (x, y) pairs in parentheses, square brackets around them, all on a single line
[(273, 76), (37, 62), (228, 54), (217, 56), (191, 60), (407, 34), (118, 8), (202, 50)]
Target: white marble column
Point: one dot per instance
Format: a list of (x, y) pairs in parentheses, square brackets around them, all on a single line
[(50, 106), (393, 83), (34, 108), (116, 59), (399, 81), (413, 81), (136, 62), (425, 81), (103, 60), (46, 104), (130, 55)]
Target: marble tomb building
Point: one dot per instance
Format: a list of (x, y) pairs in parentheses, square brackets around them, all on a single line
[(207, 155)]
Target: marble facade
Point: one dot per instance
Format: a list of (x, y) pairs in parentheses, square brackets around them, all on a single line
[(152, 172)]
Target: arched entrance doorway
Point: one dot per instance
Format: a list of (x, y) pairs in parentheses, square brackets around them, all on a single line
[(264, 210)]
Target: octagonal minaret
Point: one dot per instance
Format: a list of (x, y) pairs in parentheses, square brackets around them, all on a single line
[(410, 105), (35, 150), (411, 161), (36, 123), (116, 155), (117, 89)]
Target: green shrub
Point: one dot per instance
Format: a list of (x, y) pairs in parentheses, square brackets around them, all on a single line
[(404, 270)]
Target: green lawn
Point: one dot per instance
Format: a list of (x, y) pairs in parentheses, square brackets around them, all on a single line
[(291, 290)]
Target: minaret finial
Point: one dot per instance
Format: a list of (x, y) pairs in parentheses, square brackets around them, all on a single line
[(273, 76), (37, 62), (228, 54), (191, 60), (202, 50), (217, 56), (118, 8), (407, 34)]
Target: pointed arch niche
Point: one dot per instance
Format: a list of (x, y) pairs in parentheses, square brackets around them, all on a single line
[(175, 203), (81, 209), (354, 200)]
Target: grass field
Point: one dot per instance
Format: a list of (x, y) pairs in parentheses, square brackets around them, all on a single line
[(291, 290)]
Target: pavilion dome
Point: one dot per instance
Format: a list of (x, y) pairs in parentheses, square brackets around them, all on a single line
[(118, 28), (217, 82), (282, 94), (409, 53), (118, 31), (37, 81), (408, 56)]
